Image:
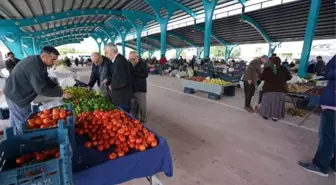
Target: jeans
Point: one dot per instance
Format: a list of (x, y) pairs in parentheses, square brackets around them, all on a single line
[(249, 92), (17, 115), (325, 155), (138, 108)]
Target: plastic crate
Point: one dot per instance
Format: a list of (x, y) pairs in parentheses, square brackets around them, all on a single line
[(70, 124), (54, 171)]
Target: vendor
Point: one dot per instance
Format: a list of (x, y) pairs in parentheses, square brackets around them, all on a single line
[(319, 66), (11, 62), (27, 80), (101, 72)]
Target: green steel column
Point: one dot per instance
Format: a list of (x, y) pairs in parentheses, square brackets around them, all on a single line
[(309, 36), (209, 7)]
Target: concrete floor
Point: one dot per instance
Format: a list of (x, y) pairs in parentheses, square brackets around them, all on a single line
[(218, 143)]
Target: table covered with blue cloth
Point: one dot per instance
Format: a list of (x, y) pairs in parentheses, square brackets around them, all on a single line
[(110, 172)]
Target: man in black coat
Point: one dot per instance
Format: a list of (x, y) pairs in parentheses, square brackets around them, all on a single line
[(101, 72), (139, 76), (121, 83), (11, 62)]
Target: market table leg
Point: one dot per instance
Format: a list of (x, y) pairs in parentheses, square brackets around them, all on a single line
[(153, 180), (308, 115)]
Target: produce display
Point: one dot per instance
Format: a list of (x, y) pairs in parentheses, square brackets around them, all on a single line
[(37, 157), (316, 91), (87, 100), (216, 81), (105, 129), (197, 79), (296, 88), (47, 118), (296, 112)]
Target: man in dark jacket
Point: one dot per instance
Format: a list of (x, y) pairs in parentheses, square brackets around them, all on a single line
[(101, 72), (139, 76), (11, 62), (27, 80), (121, 83), (325, 156), (319, 67)]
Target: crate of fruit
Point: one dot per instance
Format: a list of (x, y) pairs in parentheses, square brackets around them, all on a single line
[(48, 119), (36, 158)]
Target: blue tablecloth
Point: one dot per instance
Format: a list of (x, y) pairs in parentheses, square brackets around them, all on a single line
[(93, 168)]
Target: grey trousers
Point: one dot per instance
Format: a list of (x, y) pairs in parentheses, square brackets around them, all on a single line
[(138, 107), (17, 115)]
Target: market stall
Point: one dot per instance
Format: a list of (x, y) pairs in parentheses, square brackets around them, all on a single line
[(110, 147), (215, 88)]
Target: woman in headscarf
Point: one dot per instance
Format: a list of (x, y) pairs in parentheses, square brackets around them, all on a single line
[(275, 79)]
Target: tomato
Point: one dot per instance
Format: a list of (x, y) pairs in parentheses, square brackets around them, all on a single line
[(55, 111), (31, 125), (133, 132), (20, 160), (107, 145), (112, 134), (47, 111), (137, 146), (121, 153), (142, 148), (100, 148), (138, 141), (38, 121), (117, 142), (94, 143), (44, 116), (31, 121), (46, 121), (80, 132), (151, 137), (69, 113), (112, 156), (39, 114), (40, 157), (115, 129), (122, 138), (125, 149), (111, 141), (100, 142), (121, 131), (154, 143), (45, 126), (94, 137), (132, 145), (127, 133), (27, 157), (57, 155), (55, 117), (106, 136), (62, 115), (88, 144)]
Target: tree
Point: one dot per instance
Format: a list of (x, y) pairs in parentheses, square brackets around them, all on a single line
[(236, 52)]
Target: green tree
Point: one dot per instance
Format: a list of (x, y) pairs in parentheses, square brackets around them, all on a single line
[(236, 53)]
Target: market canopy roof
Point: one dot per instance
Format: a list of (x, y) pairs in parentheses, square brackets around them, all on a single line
[(56, 19)]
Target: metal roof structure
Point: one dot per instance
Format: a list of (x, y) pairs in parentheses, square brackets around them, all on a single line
[(27, 24)]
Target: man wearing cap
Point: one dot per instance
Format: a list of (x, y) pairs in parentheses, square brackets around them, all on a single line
[(250, 79)]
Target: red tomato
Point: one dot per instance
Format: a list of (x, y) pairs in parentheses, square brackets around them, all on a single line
[(142, 148), (151, 137), (55, 117), (154, 143), (118, 149), (45, 126), (121, 153), (94, 143), (112, 156), (40, 157), (111, 141), (88, 144), (100, 148), (44, 116), (107, 145), (112, 133), (138, 141), (31, 125), (125, 149), (38, 121), (20, 160), (46, 121), (47, 111), (55, 111), (57, 155), (132, 145), (106, 136), (122, 138), (62, 115)]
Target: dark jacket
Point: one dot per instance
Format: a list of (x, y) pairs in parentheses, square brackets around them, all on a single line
[(275, 82), (122, 91), (253, 71), (100, 73), (139, 77), (29, 79), (319, 68), (329, 93), (10, 64)]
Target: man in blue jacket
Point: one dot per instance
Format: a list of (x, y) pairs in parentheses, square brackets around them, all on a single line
[(325, 155), (101, 72)]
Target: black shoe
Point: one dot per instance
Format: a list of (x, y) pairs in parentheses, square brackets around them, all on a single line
[(266, 118), (310, 167), (275, 119)]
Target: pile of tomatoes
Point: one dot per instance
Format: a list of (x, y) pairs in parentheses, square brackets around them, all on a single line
[(38, 157), (47, 118), (114, 128)]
